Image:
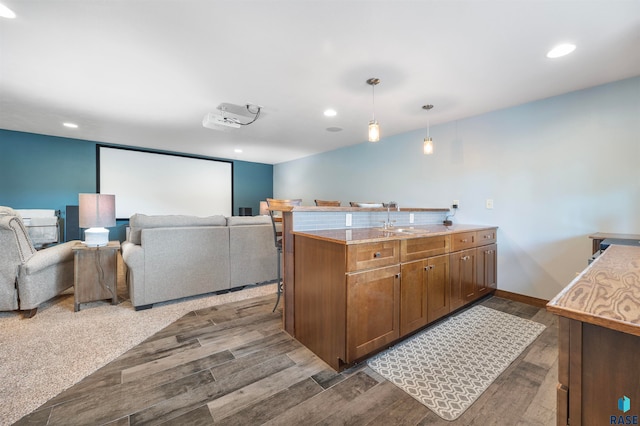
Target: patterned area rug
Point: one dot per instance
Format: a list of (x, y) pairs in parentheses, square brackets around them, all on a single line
[(448, 366)]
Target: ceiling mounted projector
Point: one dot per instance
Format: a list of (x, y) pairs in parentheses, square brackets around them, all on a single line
[(215, 120), (229, 116)]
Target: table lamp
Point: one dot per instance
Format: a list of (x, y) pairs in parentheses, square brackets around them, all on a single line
[(97, 212), (264, 208)]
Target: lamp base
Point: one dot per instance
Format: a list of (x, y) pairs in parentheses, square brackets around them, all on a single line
[(96, 237)]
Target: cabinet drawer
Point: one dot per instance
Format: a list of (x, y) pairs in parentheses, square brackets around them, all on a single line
[(488, 236), (372, 255), (463, 241), (421, 248)]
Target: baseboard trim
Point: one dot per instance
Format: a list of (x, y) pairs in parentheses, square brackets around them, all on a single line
[(533, 301)]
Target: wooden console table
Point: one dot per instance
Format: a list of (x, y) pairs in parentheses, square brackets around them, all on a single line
[(599, 340), (598, 237), (95, 273)]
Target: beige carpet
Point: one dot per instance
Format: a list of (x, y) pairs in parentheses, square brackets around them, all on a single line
[(42, 356)]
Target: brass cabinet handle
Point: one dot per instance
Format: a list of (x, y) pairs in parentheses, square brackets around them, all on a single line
[(426, 268), (465, 257), (377, 254), (463, 241), (397, 275)]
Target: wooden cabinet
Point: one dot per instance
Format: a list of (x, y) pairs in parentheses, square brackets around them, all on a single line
[(421, 248), (424, 292), (438, 288), (354, 299), (372, 310), (599, 341), (373, 294), (463, 241), (413, 296), (474, 270), (372, 255), (463, 277), (486, 269)]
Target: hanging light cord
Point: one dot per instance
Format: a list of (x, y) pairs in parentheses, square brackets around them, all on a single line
[(373, 101)]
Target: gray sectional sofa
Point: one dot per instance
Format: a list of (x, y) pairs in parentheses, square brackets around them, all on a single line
[(171, 257)]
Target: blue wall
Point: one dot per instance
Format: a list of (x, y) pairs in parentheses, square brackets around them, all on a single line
[(48, 172), (557, 169)]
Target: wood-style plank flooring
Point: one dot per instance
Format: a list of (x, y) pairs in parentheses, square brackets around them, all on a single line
[(233, 365)]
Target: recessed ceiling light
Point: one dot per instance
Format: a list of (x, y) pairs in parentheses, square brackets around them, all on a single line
[(330, 113), (237, 151), (70, 125), (561, 50), (5, 12)]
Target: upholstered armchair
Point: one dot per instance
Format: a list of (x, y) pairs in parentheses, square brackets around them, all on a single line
[(29, 277)]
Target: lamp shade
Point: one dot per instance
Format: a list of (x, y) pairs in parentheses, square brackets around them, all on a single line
[(428, 146), (96, 210), (374, 131), (264, 208)]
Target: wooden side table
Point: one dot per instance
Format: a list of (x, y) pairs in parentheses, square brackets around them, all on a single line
[(95, 274)]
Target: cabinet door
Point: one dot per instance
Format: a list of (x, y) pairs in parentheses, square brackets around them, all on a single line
[(486, 269), (438, 287), (373, 307), (413, 296), (463, 277)]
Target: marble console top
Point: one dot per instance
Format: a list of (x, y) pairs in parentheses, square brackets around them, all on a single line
[(606, 293)]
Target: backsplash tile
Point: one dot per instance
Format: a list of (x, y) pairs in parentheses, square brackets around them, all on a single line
[(313, 221)]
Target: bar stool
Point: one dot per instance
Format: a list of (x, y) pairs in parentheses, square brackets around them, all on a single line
[(274, 205)]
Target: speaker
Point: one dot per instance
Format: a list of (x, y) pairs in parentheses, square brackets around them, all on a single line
[(72, 224), (246, 211)]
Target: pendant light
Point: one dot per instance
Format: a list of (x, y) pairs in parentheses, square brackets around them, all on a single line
[(427, 146), (374, 127)]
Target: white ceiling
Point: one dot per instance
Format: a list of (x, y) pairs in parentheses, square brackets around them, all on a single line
[(145, 73)]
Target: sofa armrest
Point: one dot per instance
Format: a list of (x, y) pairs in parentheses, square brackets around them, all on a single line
[(132, 254), (48, 257)]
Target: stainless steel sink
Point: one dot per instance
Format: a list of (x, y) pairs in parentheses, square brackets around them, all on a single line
[(405, 230)]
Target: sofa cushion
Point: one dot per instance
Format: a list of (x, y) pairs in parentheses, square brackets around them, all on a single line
[(8, 211), (248, 220), (138, 222)]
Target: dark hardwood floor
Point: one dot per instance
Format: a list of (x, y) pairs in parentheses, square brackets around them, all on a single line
[(233, 365)]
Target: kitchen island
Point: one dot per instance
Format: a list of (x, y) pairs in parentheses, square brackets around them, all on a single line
[(357, 291), (599, 341)]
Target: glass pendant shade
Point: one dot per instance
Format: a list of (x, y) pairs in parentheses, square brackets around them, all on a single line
[(428, 146), (374, 131), (374, 127)]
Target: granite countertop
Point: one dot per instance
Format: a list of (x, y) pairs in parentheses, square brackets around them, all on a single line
[(606, 293), (367, 235), (357, 209)]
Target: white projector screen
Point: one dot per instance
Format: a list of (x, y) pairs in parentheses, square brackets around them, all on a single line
[(161, 184)]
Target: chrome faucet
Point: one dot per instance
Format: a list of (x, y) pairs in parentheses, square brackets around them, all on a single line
[(389, 222)]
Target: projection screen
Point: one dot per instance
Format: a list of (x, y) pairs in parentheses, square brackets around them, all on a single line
[(162, 184)]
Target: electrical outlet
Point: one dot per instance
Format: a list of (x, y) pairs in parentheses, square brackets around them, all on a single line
[(489, 203), (411, 217), (348, 219), (456, 203)]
